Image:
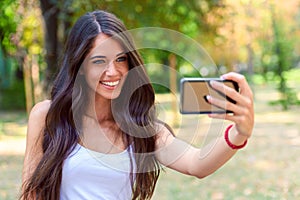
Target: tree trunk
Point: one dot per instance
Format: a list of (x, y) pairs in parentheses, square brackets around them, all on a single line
[(50, 13), (28, 84), (35, 74)]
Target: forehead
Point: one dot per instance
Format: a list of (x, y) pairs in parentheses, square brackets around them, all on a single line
[(106, 46)]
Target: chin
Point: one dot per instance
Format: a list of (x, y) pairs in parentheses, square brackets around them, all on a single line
[(110, 96)]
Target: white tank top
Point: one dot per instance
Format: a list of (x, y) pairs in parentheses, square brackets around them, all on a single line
[(90, 175)]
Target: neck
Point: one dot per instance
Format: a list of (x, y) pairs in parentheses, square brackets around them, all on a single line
[(99, 109)]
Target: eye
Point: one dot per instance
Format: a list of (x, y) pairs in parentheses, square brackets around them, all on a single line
[(121, 59), (100, 61)]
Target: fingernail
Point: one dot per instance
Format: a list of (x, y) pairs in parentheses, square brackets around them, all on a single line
[(206, 98), (212, 83)]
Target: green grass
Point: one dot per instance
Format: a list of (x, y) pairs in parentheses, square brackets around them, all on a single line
[(268, 168)]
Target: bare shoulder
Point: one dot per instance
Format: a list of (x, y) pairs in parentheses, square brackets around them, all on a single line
[(37, 116), (35, 127), (40, 109)]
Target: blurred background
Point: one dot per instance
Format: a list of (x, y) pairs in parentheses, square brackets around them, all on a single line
[(258, 38)]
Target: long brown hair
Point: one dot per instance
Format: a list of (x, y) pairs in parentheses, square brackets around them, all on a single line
[(136, 117)]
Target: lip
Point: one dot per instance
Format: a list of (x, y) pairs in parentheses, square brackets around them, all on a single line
[(110, 84)]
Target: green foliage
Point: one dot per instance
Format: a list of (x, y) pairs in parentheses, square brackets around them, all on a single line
[(289, 90), (13, 98), (11, 88), (283, 50), (8, 25), (293, 76), (289, 98)]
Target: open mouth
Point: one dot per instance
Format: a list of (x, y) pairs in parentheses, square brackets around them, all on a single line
[(110, 83)]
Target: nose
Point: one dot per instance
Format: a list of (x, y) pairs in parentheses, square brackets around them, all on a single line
[(111, 69)]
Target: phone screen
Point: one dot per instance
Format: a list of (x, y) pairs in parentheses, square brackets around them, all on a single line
[(193, 92)]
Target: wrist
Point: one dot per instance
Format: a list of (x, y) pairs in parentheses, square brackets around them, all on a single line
[(233, 139)]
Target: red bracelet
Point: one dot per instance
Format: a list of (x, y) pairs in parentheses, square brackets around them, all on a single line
[(232, 146)]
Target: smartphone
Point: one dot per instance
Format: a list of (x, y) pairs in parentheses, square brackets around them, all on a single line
[(194, 92)]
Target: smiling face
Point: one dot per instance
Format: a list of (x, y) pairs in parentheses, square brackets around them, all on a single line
[(105, 67)]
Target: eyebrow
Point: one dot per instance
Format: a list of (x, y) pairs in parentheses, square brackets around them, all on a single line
[(121, 53), (97, 57)]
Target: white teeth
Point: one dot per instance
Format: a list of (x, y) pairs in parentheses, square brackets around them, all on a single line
[(109, 83)]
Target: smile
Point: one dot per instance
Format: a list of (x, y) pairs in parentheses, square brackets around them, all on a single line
[(110, 83)]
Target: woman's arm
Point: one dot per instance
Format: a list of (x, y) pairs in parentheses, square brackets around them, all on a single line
[(184, 158), (35, 127)]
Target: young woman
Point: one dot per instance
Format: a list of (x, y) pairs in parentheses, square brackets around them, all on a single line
[(99, 138)]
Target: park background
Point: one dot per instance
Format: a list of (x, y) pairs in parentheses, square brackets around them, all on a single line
[(258, 38)]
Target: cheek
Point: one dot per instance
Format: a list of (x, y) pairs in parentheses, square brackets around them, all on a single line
[(92, 77), (125, 71)]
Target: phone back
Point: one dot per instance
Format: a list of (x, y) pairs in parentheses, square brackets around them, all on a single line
[(193, 93)]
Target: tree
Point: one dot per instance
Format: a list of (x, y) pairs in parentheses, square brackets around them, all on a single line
[(283, 50), (50, 13), (29, 41), (56, 14), (262, 37)]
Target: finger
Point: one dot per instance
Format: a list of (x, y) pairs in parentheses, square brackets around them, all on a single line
[(227, 91), (242, 82), (217, 116), (224, 116), (242, 102), (243, 109), (223, 104)]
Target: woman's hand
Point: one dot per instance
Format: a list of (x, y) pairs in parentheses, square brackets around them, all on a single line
[(243, 111)]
